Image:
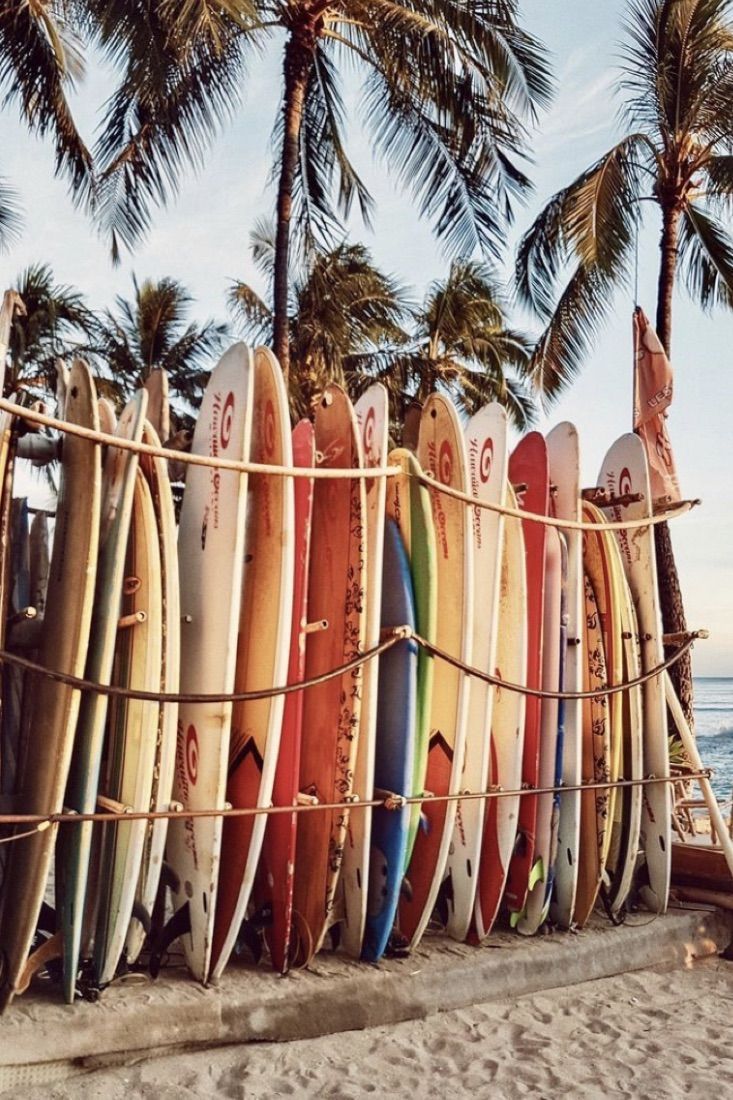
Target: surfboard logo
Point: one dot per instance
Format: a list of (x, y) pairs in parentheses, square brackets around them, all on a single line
[(486, 460), (368, 433), (227, 419), (269, 430), (192, 754), (445, 463), (625, 484)]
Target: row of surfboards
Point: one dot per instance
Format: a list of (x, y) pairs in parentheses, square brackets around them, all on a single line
[(270, 580)]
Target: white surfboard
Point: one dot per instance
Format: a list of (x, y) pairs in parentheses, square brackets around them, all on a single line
[(564, 461), (486, 447), (372, 416), (624, 470), (211, 540)]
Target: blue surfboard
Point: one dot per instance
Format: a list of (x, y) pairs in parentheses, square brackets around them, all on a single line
[(396, 716)]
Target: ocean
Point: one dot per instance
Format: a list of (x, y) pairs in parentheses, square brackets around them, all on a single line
[(714, 727)]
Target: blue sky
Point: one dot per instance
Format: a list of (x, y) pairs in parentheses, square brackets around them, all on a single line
[(202, 239)]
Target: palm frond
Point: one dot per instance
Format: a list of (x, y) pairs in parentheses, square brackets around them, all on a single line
[(251, 312), (706, 258)]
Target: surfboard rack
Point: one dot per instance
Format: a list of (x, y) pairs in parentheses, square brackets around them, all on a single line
[(603, 499), (305, 799), (316, 627), (134, 619), (113, 806), (391, 800)]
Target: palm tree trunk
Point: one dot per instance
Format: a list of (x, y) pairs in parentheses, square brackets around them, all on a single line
[(670, 593), (297, 66)]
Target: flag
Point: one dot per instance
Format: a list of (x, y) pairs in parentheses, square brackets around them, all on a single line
[(653, 391)]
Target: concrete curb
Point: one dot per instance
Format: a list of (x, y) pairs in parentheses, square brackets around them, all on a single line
[(42, 1040)]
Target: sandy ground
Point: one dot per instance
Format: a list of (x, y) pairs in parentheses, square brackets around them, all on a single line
[(651, 1034)]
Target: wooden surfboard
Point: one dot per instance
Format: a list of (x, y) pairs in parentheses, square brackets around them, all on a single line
[(535, 909), (274, 883), (442, 453), (528, 472), (372, 417), (263, 650), (156, 472), (132, 728), (408, 504), (211, 548), (158, 405), (594, 820), (602, 564), (507, 729), (395, 738), (486, 446), (624, 470), (107, 416), (74, 848), (55, 707), (331, 710)]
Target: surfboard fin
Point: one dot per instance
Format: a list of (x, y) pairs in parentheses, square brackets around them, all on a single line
[(537, 874), (398, 946), (444, 900), (406, 890), (515, 916), (178, 925), (424, 824), (140, 913)]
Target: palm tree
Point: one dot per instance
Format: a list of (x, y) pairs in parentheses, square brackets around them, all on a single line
[(150, 332), (447, 90), (461, 344), (40, 59), (678, 154), (345, 316), (53, 322)]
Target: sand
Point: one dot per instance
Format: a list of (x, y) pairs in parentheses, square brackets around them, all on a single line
[(651, 1034)]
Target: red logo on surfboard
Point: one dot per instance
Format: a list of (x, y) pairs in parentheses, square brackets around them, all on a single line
[(227, 418), (269, 429), (445, 463), (624, 482), (192, 754), (486, 459), (368, 433)]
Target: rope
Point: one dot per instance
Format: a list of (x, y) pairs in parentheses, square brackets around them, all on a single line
[(681, 509), (398, 634), (331, 473), (15, 660), (44, 821)]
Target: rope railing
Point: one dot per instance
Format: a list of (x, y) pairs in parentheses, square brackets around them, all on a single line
[(388, 801), (395, 635), (217, 462)]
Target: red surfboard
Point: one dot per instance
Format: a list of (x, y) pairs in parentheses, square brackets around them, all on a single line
[(274, 885), (528, 473)]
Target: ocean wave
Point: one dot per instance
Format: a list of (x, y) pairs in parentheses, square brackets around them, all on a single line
[(723, 734)]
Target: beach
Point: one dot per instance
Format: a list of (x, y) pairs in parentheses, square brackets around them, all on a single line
[(651, 1034)]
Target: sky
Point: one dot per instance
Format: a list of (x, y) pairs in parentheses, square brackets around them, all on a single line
[(201, 238)]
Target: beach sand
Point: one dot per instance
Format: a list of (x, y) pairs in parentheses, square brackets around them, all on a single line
[(651, 1034)]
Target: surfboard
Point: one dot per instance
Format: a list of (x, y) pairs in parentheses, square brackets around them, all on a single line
[(132, 727), (107, 416), (156, 473), (564, 468), (486, 446), (211, 550), (507, 729), (535, 909), (408, 504), (331, 710), (263, 651), (442, 453), (39, 561), (55, 706), (372, 416), (602, 564), (626, 824), (397, 711), (158, 404), (624, 470), (274, 882), (528, 472), (74, 848), (594, 820)]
